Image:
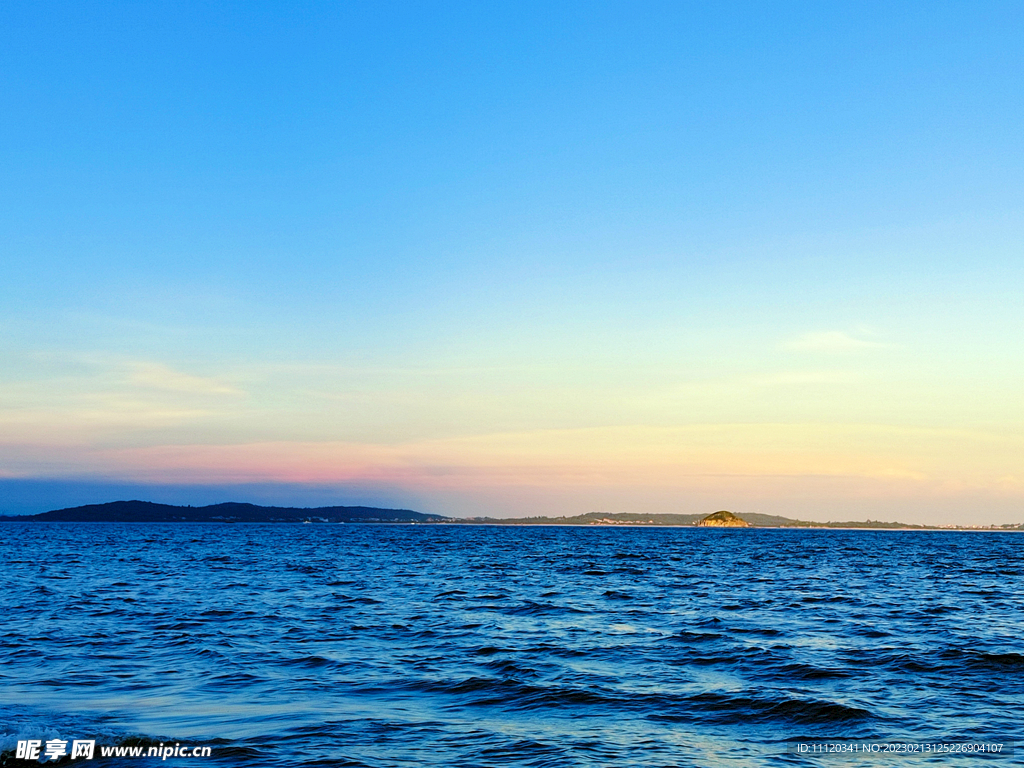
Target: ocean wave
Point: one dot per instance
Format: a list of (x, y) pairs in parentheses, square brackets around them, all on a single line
[(531, 608), (726, 709), (442, 646)]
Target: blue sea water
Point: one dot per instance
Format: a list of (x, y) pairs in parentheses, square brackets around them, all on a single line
[(472, 646)]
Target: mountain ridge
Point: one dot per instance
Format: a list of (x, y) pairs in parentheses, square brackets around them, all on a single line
[(226, 512), (240, 512)]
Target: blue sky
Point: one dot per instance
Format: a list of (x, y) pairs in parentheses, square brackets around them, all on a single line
[(477, 256)]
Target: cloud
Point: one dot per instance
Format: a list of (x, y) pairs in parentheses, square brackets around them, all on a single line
[(158, 376), (831, 342), (799, 378), (642, 454)]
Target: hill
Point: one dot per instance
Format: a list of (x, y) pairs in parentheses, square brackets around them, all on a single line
[(590, 518), (231, 512), (723, 519), (754, 519)]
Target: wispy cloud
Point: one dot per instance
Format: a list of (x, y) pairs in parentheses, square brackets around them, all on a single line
[(831, 342), (800, 378), (159, 376)]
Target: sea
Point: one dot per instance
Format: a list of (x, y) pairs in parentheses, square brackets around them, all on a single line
[(471, 646)]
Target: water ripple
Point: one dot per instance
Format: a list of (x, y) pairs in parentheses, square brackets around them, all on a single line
[(375, 645)]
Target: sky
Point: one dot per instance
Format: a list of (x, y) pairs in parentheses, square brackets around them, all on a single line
[(515, 259)]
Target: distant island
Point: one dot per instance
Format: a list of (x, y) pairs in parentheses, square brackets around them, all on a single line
[(230, 512), (233, 512), (750, 519), (723, 519)]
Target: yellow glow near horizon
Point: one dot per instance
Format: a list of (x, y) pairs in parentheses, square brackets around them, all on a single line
[(782, 459)]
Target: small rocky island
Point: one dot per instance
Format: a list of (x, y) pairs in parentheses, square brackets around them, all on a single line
[(724, 519)]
